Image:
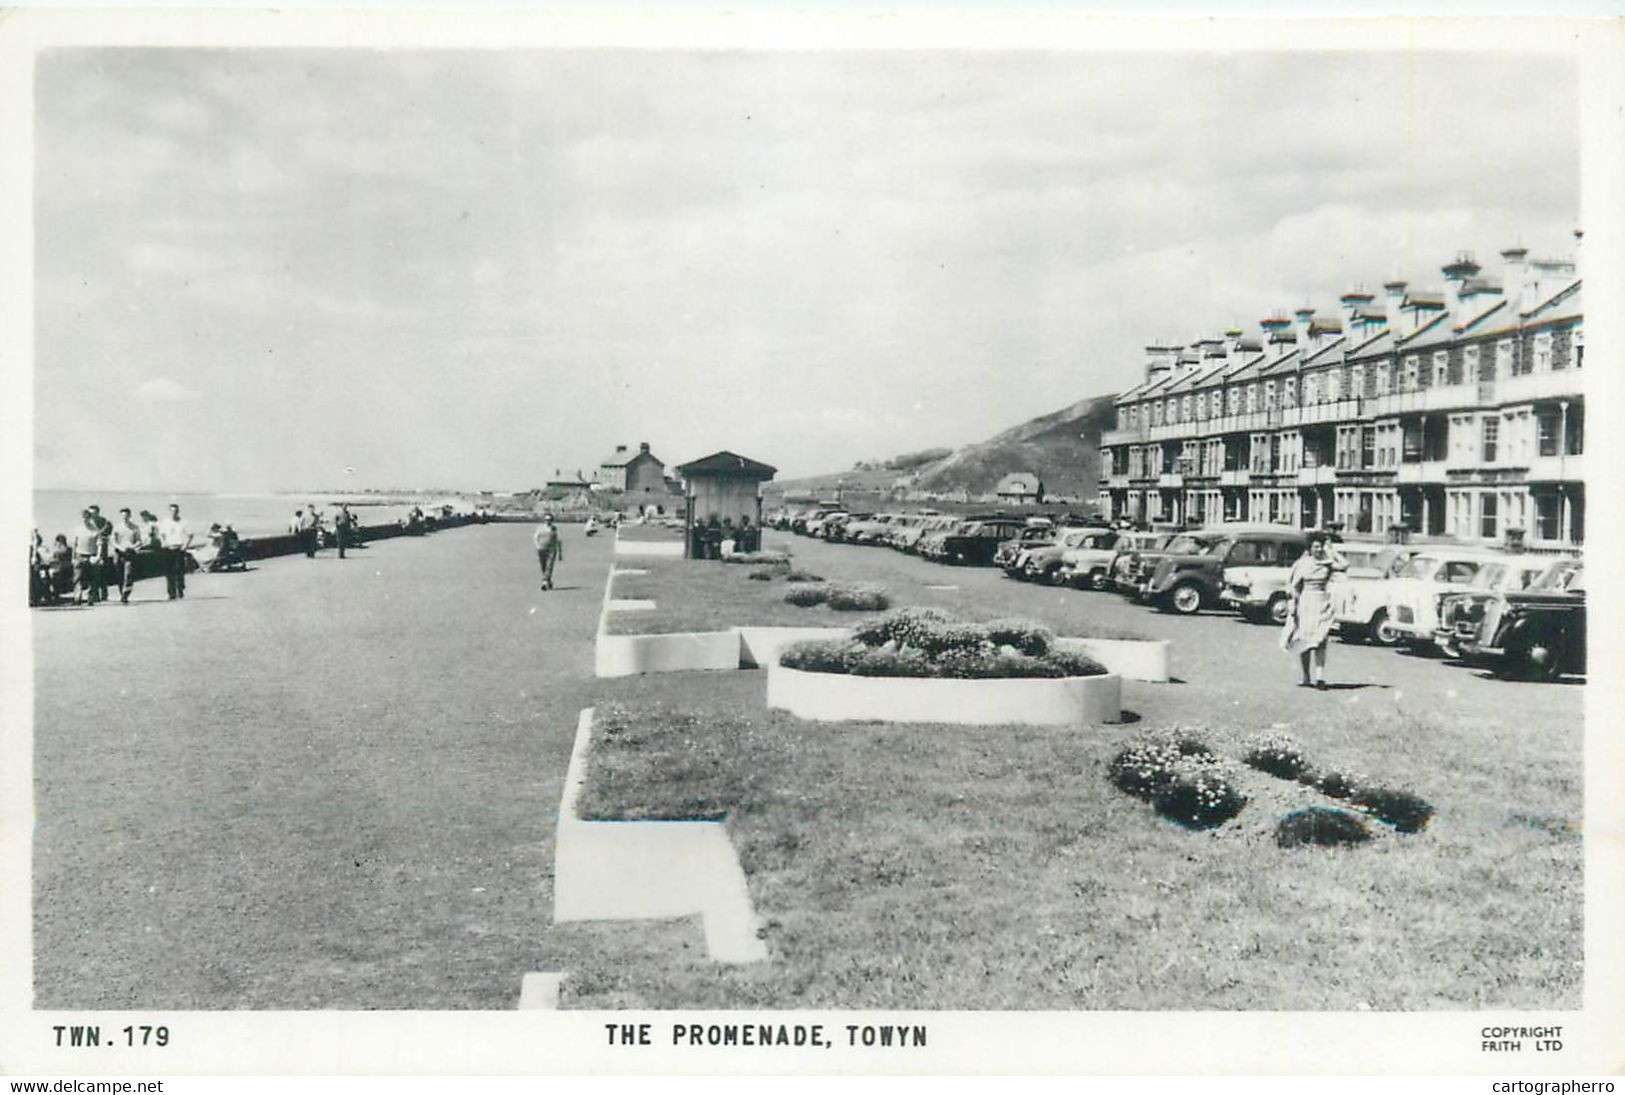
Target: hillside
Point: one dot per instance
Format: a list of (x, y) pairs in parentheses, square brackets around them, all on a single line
[(1062, 447)]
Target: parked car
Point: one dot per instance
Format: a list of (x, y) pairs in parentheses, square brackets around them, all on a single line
[(1540, 632), (1256, 570), (1514, 574), (1047, 562), (834, 526), (1415, 592), (870, 531), (974, 542), (815, 523), (1131, 548), (1190, 574), (933, 530), (1031, 536), (1360, 594)]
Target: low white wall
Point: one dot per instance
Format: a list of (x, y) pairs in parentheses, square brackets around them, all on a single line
[(650, 870), (624, 655), (839, 697), (629, 605), (761, 646), (1131, 659)]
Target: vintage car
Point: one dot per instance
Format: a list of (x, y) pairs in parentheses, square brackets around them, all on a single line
[(974, 542), (1360, 594), (1431, 574), (1046, 562), (1459, 613), (1255, 576), (936, 527), (1131, 548), (1540, 632), (834, 526), (1029, 537), (1190, 574), (816, 523)]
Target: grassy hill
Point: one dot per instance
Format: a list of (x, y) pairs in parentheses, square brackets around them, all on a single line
[(1062, 447)]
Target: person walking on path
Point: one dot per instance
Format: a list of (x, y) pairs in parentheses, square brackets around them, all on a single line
[(1310, 620), (342, 521), (176, 539), (307, 531), (87, 540), (127, 540), (104, 552), (549, 549)]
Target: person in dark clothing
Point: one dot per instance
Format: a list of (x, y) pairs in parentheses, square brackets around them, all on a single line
[(127, 539), (342, 522)]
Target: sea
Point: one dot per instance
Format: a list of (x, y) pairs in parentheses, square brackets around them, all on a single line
[(249, 514)]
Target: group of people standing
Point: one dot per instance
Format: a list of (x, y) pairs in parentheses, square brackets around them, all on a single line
[(103, 553), (307, 525)]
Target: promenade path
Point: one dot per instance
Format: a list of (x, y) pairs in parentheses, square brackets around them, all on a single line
[(318, 784)]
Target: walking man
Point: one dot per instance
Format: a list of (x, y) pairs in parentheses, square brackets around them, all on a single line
[(341, 526), (127, 539), (176, 539), (307, 531), (549, 549), (103, 552), (87, 540)]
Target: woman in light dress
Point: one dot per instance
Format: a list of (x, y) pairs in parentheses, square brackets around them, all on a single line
[(1309, 624)]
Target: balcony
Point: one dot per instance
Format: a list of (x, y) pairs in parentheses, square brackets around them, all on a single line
[(1563, 384), (1237, 477), (1114, 482), (1447, 397), (1340, 410), (1427, 471), (1316, 477), (1557, 469), (1171, 480)]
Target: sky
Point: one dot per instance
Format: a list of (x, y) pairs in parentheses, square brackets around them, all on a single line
[(280, 269)]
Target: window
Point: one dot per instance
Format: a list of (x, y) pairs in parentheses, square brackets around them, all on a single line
[(1368, 446), (1235, 400), (1357, 381), (1492, 433), (1311, 390), (1469, 364), (1543, 352), (1488, 504), (1269, 395), (1185, 409), (1574, 439), (1173, 412), (1547, 513), (1334, 386), (1385, 379), (1252, 398), (1504, 363), (1410, 377), (1441, 366), (1289, 394)]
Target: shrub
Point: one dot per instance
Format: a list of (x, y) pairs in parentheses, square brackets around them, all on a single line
[(806, 596), (1333, 784), (1143, 767), (857, 598), (759, 558), (1401, 809), (883, 661), (823, 655), (1277, 754), (1073, 664), (802, 576), (1318, 825), (1199, 795), (760, 576), (1027, 636)]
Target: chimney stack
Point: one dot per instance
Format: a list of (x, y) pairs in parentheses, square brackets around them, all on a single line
[(1393, 292), (643, 446)]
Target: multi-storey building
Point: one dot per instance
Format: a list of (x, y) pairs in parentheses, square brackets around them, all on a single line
[(1457, 414)]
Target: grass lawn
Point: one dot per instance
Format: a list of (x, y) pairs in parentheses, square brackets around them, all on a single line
[(711, 596), (929, 866)]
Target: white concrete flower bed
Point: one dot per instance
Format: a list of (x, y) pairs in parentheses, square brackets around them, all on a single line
[(667, 548), (650, 870), (625, 655), (761, 646), (841, 697), (1131, 659)]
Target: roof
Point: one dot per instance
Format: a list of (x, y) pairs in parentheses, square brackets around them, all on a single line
[(1246, 370), (1435, 332), (621, 459), (1377, 345), (1286, 363), (1563, 304), (1196, 376), (1325, 355), (725, 463), (1015, 478)]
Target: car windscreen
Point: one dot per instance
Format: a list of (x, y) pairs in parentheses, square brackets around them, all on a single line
[(1422, 566), (1254, 553), (1190, 545), (1559, 577)]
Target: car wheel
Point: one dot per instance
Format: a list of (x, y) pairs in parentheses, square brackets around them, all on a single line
[(1279, 609), (1544, 659), (1185, 599), (1100, 581), (1381, 632), (1056, 578)]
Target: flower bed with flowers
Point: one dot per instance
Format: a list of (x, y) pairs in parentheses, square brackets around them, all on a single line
[(924, 642), (1187, 783), (706, 596)]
